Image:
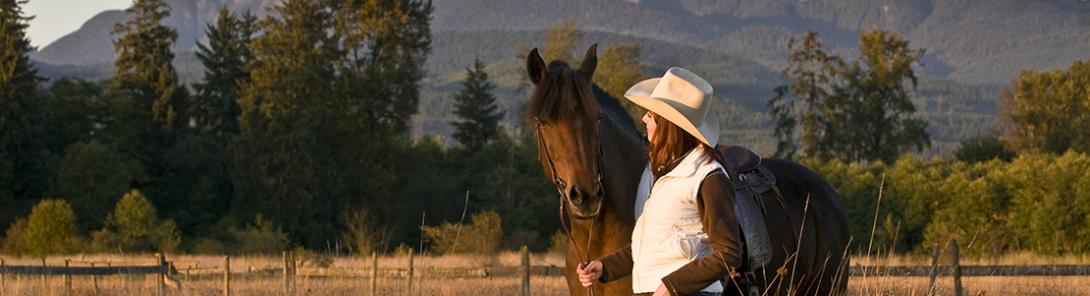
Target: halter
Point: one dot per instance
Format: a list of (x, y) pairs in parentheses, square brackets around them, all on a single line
[(560, 185)]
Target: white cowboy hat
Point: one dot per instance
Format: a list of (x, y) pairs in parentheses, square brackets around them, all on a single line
[(683, 98)]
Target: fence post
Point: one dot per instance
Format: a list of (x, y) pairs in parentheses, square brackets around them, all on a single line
[(67, 277), (94, 278), (227, 275), (957, 270), (411, 254), (374, 273), (287, 271), (159, 276), (45, 279), (2, 276), (934, 271), (525, 271)]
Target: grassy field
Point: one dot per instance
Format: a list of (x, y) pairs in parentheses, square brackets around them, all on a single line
[(257, 275)]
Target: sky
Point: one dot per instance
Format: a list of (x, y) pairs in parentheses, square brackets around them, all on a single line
[(55, 18)]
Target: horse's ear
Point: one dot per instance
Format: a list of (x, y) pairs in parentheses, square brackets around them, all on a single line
[(535, 66), (590, 61)]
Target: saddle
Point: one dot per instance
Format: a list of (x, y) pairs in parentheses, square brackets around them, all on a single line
[(751, 181)]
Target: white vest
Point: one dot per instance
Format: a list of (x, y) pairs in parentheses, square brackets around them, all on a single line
[(668, 233)]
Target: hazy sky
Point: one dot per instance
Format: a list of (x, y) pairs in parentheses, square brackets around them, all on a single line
[(55, 18)]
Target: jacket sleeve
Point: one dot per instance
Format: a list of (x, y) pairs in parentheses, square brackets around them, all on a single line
[(616, 265), (715, 201)]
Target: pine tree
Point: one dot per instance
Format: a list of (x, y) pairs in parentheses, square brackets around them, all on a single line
[(22, 151), (215, 109), (476, 108), (144, 69), (332, 87), (286, 109)]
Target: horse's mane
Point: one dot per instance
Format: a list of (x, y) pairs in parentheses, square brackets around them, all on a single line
[(551, 99), (561, 94), (612, 107)]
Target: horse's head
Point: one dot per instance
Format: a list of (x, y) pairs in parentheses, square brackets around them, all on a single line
[(567, 116)]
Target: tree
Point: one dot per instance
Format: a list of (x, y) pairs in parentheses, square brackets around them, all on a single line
[(1048, 111), (618, 69), (476, 109), (148, 105), (75, 110), (332, 88), (135, 226), (92, 176), (562, 42), (983, 148), (856, 111), (144, 69), (885, 125), (287, 107), (21, 126), (51, 229), (811, 71), (225, 58)]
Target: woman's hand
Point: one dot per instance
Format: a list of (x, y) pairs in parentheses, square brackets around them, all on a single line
[(661, 291), (589, 272)]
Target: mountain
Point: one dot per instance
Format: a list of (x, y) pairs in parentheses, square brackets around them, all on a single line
[(975, 42), (92, 43)]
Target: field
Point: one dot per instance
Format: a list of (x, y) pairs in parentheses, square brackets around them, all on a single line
[(261, 275)]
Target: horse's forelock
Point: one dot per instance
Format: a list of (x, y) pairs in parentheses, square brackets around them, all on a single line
[(563, 93)]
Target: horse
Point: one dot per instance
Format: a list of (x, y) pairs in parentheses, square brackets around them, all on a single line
[(591, 151)]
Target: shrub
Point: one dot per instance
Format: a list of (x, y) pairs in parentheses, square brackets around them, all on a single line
[(261, 237), (134, 226), (51, 229), (362, 234), (482, 237), (13, 238), (559, 244)]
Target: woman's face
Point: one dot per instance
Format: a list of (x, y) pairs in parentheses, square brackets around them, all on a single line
[(649, 122)]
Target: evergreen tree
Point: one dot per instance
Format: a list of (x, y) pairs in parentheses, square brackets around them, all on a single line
[(22, 152), (144, 69), (215, 109), (283, 164), (476, 108)]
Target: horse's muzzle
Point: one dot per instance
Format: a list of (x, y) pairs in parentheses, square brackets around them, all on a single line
[(582, 205)]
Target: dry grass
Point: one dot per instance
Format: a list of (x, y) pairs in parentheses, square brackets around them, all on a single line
[(206, 280)]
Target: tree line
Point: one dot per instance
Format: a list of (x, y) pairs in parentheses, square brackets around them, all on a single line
[(298, 137)]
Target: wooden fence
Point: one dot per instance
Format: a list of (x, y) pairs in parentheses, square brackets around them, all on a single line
[(289, 270)]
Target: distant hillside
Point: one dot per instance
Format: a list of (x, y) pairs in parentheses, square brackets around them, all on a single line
[(976, 42), (92, 44)]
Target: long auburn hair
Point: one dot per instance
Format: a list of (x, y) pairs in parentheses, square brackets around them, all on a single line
[(670, 144)]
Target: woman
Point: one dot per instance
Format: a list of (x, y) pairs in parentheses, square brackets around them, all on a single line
[(686, 238)]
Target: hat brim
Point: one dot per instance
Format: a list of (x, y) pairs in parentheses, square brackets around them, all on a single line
[(706, 132)]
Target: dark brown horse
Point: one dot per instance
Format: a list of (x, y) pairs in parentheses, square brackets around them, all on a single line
[(590, 149)]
